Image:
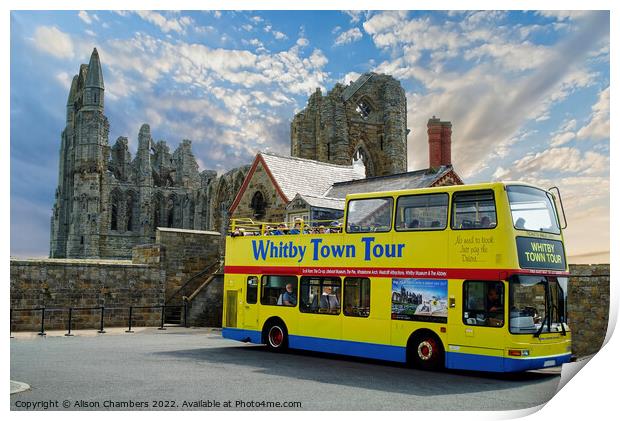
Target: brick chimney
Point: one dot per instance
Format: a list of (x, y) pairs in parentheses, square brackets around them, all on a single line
[(439, 142)]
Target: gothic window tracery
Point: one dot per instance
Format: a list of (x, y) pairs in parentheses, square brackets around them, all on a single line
[(363, 109)]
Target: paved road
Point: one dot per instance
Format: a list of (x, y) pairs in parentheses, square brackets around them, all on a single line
[(198, 365)]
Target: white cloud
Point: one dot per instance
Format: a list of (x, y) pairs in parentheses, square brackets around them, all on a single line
[(279, 35), (65, 80), (85, 17), (563, 160), (164, 24), (598, 126), (347, 37), (51, 40), (355, 15), (302, 42), (563, 15)]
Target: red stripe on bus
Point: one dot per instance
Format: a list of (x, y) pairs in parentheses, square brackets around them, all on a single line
[(433, 273)]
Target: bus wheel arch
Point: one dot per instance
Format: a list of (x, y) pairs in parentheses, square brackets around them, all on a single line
[(275, 334), (425, 350)]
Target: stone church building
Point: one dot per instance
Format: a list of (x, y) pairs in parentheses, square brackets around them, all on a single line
[(108, 202)]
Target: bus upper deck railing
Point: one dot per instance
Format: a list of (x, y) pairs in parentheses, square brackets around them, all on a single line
[(248, 227)]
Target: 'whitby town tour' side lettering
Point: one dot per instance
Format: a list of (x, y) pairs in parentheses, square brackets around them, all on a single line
[(269, 249)]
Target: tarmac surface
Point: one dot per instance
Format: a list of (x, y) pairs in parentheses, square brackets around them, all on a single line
[(197, 369)]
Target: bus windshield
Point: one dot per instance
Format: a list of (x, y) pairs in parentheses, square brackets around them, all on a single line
[(537, 304), (532, 209)]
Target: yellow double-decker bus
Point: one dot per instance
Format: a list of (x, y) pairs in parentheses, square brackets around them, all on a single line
[(465, 277)]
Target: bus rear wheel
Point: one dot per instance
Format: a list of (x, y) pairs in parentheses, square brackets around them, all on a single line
[(425, 352), (276, 337)]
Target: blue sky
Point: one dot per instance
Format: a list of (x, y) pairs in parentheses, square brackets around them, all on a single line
[(527, 93)]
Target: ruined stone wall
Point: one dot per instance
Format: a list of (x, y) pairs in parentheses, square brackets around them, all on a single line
[(63, 283), (366, 119), (588, 307), (106, 202)]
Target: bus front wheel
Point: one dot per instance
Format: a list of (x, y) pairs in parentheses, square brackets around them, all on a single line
[(425, 352), (276, 337)]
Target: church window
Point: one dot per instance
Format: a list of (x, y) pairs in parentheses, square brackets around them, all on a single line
[(114, 218), (258, 205), (129, 213), (363, 109)]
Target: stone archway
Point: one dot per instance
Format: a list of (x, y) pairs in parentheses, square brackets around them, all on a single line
[(361, 154)]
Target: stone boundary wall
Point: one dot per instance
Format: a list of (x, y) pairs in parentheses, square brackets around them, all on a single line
[(205, 307), (588, 307), (63, 283), (180, 254)]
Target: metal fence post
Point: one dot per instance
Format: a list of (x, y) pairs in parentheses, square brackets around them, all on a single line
[(163, 310), (70, 317), (101, 322), (130, 315), (11, 324), (185, 303), (42, 332)]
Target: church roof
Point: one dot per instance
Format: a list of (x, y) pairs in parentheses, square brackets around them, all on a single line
[(305, 176), (403, 181), (322, 201), (94, 78)]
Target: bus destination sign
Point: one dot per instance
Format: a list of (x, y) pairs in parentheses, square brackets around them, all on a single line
[(538, 253)]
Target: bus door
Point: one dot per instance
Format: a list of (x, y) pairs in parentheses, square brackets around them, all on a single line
[(477, 325), (250, 306)]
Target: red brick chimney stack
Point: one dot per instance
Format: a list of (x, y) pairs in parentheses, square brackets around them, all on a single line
[(439, 142)]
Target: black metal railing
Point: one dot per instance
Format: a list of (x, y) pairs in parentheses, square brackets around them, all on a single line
[(183, 309)]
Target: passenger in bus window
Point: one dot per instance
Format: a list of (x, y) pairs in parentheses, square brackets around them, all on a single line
[(289, 298), (414, 224), (485, 222), (329, 301), (494, 303), (520, 223)]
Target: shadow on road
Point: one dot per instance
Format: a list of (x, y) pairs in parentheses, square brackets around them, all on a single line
[(360, 372)]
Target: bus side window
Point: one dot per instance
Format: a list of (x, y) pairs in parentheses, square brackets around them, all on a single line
[(357, 297), (273, 288), (251, 292), (319, 295), (473, 210), (422, 212), (483, 303)]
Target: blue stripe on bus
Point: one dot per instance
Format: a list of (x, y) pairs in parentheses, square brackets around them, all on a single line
[(243, 335), (354, 349), (454, 360), (460, 361)]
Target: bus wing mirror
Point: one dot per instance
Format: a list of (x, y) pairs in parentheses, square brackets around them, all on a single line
[(557, 198)]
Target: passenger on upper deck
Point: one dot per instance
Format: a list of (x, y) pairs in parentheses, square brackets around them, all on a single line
[(297, 228)]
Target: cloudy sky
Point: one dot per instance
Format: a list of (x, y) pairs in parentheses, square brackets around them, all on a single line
[(527, 93)]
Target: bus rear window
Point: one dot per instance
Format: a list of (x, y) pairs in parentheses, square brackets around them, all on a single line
[(370, 215), (532, 209), (473, 210)]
